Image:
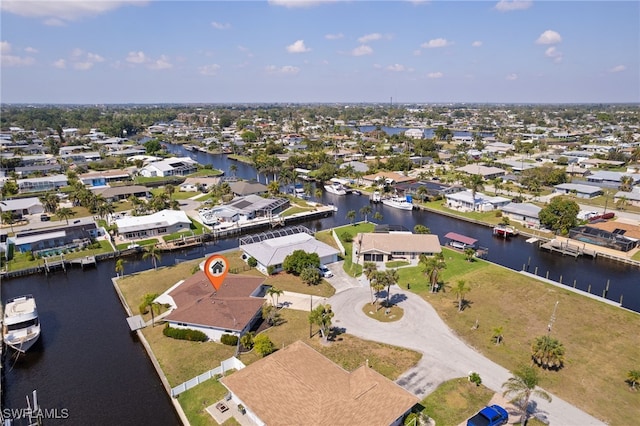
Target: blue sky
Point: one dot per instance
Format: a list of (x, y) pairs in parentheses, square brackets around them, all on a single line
[(514, 51)]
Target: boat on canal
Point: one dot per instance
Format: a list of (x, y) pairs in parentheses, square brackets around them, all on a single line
[(336, 188), (504, 231), (21, 326), (402, 203)]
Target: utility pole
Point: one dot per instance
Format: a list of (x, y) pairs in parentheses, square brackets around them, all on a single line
[(553, 318)]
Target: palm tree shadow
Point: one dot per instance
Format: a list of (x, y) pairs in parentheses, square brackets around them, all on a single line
[(335, 332)]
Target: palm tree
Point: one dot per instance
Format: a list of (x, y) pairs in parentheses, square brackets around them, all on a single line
[(369, 269), (522, 386), (169, 190), (547, 352), (104, 209), (50, 202), (65, 213), (460, 290), (274, 187), (378, 282), (432, 267), (120, 267), (153, 253), (626, 183), (318, 193), (475, 183), (351, 215), (378, 216), (7, 217), (391, 279), (633, 378), (233, 168), (275, 294), (149, 302), (468, 253), (622, 202), (247, 340), (497, 334), (421, 229), (365, 211), (497, 185)]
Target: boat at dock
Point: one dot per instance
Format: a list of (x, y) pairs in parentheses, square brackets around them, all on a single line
[(375, 197), (21, 326), (504, 231), (402, 203), (336, 188)]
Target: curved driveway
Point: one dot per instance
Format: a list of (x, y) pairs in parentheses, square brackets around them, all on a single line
[(444, 355)]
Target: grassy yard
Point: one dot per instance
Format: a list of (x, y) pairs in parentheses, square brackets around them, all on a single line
[(455, 401), (601, 341), (348, 230), (149, 242), (296, 209), (197, 399), (21, 260)]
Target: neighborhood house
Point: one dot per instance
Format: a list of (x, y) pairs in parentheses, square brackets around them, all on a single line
[(160, 223)]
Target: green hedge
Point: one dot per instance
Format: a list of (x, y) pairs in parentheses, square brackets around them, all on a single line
[(229, 339), (185, 334)]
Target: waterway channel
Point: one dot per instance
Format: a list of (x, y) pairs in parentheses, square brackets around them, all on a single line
[(89, 363)]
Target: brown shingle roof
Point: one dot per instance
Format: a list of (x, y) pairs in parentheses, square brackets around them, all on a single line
[(297, 385), (398, 242), (231, 307)]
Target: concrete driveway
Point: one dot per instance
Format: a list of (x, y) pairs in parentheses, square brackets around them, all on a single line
[(444, 355)]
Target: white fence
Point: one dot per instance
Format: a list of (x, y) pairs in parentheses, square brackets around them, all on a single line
[(226, 365)]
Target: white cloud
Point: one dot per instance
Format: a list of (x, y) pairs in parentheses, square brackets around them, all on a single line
[(298, 3), (553, 53), (417, 52), (5, 47), (161, 63), (509, 5), (362, 50), (512, 76), (334, 36), (211, 69), (369, 37), (476, 43), (246, 51), (437, 74), (220, 26), (549, 37), (435, 43), (54, 22), (396, 68), (83, 66), (93, 57), (31, 50), (60, 64), (298, 47), (8, 60), (60, 12), (137, 57), (287, 69), (618, 68)]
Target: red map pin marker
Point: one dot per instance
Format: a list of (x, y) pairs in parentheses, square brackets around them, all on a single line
[(216, 268)]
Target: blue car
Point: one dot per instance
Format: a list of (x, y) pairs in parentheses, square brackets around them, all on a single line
[(493, 415)]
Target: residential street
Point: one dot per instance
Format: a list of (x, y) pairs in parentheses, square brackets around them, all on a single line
[(444, 355)]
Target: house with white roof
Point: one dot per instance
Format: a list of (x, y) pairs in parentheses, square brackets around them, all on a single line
[(525, 213), (22, 206), (465, 201), (581, 191), (272, 252), (611, 178), (160, 223), (414, 133), (178, 166), (46, 183)]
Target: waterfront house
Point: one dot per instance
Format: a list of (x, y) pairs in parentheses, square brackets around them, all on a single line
[(104, 178), (272, 252), (161, 223), (22, 206), (47, 183), (525, 213), (178, 166), (243, 187), (54, 240), (318, 391), (118, 193), (386, 247), (484, 171), (231, 309), (388, 178), (252, 206), (464, 201), (580, 191), (414, 133)]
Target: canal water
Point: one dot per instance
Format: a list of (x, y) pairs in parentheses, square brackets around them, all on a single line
[(91, 366)]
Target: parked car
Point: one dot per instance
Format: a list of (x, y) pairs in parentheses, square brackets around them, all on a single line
[(325, 272), (44, 218), (493, 415)]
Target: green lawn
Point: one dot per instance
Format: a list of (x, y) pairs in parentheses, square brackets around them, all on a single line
[(296, 209), (196, 229), (149, 242), (455, 401), (206, 173), (21, 260)]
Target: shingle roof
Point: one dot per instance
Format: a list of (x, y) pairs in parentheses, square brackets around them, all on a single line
[(231, 307), (297, 385), (274, 251), (398, 242)]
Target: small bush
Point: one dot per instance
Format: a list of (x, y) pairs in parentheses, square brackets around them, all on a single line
[(498, 213), (475, 378), (184, 334), (229, 340), (346, 237), (263, 345), (271, 269), (143, 308), (252, 262)]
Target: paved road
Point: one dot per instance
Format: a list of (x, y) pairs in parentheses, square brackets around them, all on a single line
[(444, 355)]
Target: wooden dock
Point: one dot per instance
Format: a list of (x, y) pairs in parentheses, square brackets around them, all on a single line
[(566, 248), (84, 261)]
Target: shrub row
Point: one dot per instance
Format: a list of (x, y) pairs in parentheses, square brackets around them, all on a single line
[(184, 334), (229, 339)]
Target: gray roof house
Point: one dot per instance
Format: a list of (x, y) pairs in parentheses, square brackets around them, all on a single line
[(22, 206), (525, 213), (386, 247), (464, 201), (581, 191), (272, 252), (244, 187), (179, 166)]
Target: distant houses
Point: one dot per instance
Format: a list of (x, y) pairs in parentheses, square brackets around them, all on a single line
[(580, 191), (465, 201), (175, 166)]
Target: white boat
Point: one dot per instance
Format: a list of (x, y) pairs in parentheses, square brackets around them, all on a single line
[(21, 326), (402, 203), (336, 188), (375, 197)]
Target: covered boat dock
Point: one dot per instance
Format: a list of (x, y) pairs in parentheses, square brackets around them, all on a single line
[(460, 241)]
